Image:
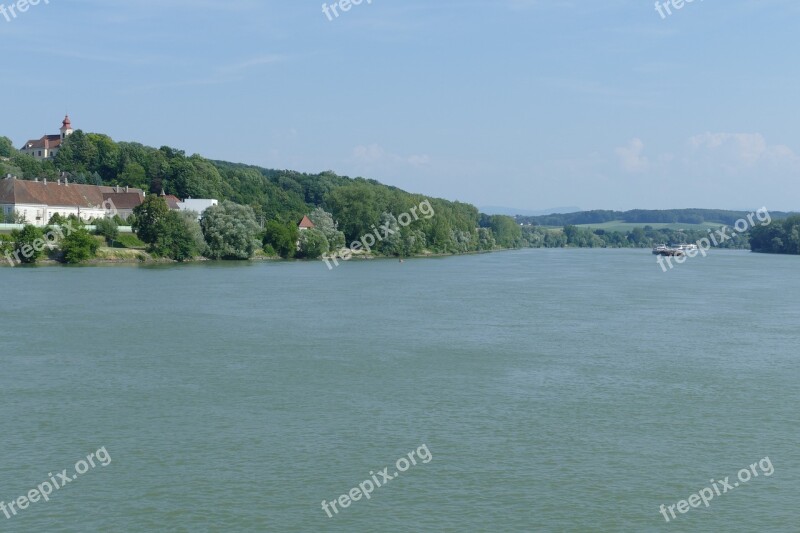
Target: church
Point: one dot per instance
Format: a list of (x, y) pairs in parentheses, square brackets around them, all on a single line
[(47, 147)]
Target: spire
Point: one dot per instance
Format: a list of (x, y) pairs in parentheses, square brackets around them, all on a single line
[(66, 124)]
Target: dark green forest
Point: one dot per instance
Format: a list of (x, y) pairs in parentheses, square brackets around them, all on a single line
[(780, 237)]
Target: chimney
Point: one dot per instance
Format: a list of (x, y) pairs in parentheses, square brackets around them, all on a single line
[(127, 189), (45, 181), (36, 180), (66, 181)]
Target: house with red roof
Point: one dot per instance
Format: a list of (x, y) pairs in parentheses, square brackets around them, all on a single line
[(47, 147), (305, 224)]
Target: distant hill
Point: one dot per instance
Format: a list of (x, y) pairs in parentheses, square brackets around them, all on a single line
[(643, 217), (513, 211)]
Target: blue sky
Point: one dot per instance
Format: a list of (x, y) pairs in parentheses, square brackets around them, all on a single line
[(523, 103)]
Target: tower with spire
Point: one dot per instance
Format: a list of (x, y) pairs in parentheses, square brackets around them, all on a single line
[(66, 128)]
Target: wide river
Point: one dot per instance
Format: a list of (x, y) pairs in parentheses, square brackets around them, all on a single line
[(540, 390)]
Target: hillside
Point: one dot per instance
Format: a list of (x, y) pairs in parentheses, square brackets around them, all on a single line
[(358, 205)]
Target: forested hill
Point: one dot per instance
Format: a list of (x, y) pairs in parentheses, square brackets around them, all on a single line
[(285, 196), (643, 217)]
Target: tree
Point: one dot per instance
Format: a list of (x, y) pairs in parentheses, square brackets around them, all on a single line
[(230, 231), (133, 175), (392, 243), (79, 245), (323, 221), (6, 147), (108, 228), (357, 208), (174, 238), (485, 239), (189, 219), (313, 244), (506, 231), (282, 238), (148, 216), (28, 244)]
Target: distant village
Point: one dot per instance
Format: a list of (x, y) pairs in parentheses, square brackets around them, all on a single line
[(36, 202)]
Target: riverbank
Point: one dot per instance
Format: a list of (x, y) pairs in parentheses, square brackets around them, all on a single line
[(121, 256)]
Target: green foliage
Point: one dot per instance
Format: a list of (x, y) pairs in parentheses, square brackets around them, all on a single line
[(486, 240), (6, 147), (357, 208), (342, 208), (108, 228), (280, 238), (174, 238), (390, 232), (230, 231), (506, 231), (779, 237), (148, 216), (78, 245), (56, 220), (6, 247), (323, 221), (312, 244), (193, 227), (28, 244)]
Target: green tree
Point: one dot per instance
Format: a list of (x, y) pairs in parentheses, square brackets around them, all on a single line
[(6, 147), (108, 228), (174, 238), (506, 231), (323, 221), (28, 244), (79, 245), (148, 216), (357, 208), (282, 238), (313, 244), (189, 219), (230, 231), (31, 168), (390, 231), (133, 175)]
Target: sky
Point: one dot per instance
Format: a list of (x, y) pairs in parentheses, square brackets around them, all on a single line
[(530, 104)]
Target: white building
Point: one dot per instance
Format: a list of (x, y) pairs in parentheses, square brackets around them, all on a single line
[(47, 147), (37, 201), (197, 205)]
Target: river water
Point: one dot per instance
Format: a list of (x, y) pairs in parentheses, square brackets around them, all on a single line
[(555, 390)]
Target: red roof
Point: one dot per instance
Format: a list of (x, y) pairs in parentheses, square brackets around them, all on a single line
[(306, 223), (67, 124), (48, 141), (61, 194)]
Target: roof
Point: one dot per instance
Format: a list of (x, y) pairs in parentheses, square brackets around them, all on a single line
[(48, 141), (123, 200), (306, 223), (53, 193), (172, 201), (67, 123)]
